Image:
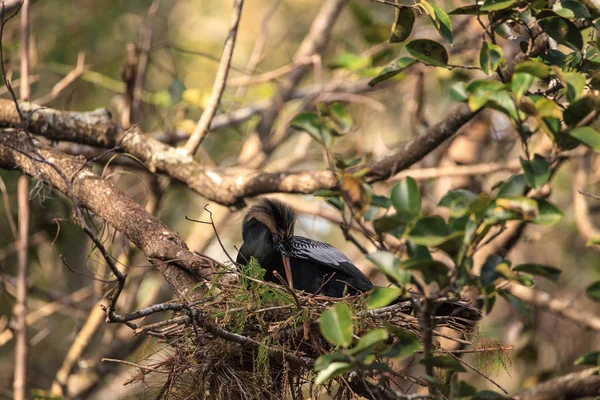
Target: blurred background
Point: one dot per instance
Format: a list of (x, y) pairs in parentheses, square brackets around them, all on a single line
[(187, 39)]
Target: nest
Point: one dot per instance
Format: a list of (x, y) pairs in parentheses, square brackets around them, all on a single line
[(257, 340)]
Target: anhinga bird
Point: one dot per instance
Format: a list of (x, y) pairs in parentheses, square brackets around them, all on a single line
[(306, 264)]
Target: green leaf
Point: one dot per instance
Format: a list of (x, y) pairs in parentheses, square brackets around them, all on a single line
[(336, 325), (406, 342), (574, 83), (580, 109), (535, 68), (430, 231), (488, 395), (431, 270), (406, 198), (517, 303), (312, 124), (333, 370), (323, 361), (392, 70), (521, 82), (370, 339), (537, 171), (548, 213), (389, 264), (403, 24), (592, 358), (428, 51), (563, 31), (339, 120), (593, 291), (440, 19), (383, 296), (490, 57), (444, 362), (473, 9), (571, 9), (588, 136), (525, 207), (389, 223), (547, 271), (495, 5), (458, 92), (458, 202), (514, 186)]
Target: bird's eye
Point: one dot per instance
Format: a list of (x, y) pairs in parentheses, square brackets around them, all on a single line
[(281, 247)]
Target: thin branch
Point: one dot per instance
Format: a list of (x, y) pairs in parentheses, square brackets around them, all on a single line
[(20, 309), (209, 112), (71, 77), (142, 66)]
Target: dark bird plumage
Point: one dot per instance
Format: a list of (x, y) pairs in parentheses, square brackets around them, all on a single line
[(268, 233)]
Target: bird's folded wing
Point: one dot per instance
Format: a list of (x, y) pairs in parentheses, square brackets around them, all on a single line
[(326, 254)]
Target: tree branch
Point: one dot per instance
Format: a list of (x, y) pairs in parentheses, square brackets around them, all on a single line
[(572, 386), (219, 86)]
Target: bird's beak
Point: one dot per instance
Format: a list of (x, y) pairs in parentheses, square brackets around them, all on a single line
[(288, 270)]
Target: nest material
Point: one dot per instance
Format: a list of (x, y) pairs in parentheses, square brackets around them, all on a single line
[(205, 366)]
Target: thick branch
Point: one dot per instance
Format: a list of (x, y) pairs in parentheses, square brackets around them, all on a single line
[(572, 386), (560, 307), (163, 247)]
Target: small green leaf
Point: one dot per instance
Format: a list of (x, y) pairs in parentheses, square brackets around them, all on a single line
[(588, 136), (351, 62), (488, 395), (458, 201), (383, 296), (369, 339), (431, 270), (458, 91), (593, 291), (428, 51), (580, 109), (333, 370), (571, 9), (403, 24), (548, 213), (440, 19), (490, 57), (537, 171), (495, 5), (547, 271), (444, 362), (390, 223), (473, 9), (392, 70), (312, 124), (574, 83), (323, 361), (563, 31), (592, 358), (521, 82), (336, 325), (535, 68), (406, 198), (339, 120), (513, 186), (389, 264), (430, 231), (517, 303), (406, 342)]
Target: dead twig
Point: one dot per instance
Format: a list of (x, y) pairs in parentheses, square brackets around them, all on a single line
[(209, 112)]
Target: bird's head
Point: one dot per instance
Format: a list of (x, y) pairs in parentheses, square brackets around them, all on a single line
[(279, 218)]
